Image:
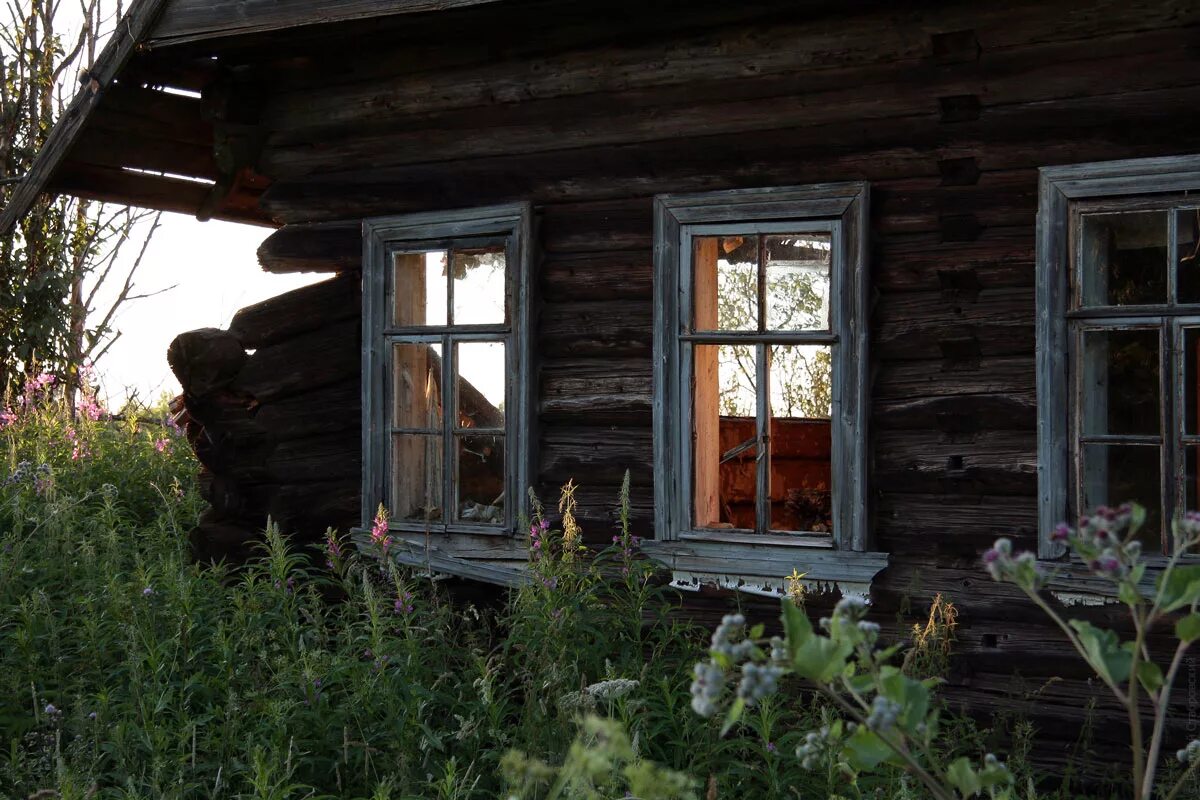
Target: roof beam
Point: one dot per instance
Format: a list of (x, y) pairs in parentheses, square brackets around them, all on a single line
[(186, 21), (122, 44)]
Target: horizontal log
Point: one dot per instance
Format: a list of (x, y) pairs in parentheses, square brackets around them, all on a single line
[(900, 381), (329, 247), (595, 455), (205, 360), (1009, 137), (602, 390), (806, 99), (941, 525), (612, 275), (368, 86), (299, 311), (330, 409), (926, 325), (957, 413), (617, 328), (992, 462), (305, 362), (921, 263)]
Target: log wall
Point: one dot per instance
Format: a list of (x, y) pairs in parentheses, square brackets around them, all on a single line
[(948, 112)]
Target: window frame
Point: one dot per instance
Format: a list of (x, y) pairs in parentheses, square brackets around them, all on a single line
[(382, 238), (1064, 194), (840, 209)]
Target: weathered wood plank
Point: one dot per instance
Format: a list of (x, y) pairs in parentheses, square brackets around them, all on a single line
[(141, 16), (304, 363), (331, 247), (193, 20), (308, 308)]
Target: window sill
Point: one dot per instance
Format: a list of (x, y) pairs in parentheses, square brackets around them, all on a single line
[(1072, 583), (759, 566)]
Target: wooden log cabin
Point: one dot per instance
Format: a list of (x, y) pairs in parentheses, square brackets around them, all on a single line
[(851, 289)]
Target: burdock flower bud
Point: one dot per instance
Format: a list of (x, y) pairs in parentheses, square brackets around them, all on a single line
[(884, 713), (1061, 532)]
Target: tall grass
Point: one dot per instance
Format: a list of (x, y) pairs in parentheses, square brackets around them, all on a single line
[(127, 671)]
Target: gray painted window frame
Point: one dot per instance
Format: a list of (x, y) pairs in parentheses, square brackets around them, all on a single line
[(840, 208), (435, 230), (1059, 189)]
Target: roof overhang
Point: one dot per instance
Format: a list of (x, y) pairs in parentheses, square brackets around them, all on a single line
[(138, 131)]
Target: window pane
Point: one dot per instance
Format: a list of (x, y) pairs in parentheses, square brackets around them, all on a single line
[(801, 388), (1191, 379), (416, 477), (1120, 393), (724, 436), (1187, 248), (481, 479), (1114, 474), (417, 385), (1191, 470), (725, 283), (1124, 258), (419, 288), (480, 291), (798, 281), (481, 381)]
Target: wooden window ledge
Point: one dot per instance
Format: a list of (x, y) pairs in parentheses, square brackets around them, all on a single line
[(754, 568)]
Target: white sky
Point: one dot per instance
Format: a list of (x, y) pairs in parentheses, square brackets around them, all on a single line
[(214, 271)]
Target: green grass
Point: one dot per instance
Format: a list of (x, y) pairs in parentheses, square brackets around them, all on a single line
[(127, 671)]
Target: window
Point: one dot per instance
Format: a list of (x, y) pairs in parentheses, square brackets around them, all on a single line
[(760, 364), (1119, 342), (445, 364)]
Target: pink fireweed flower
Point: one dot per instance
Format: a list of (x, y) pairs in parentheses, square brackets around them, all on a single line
[(333, 549), (379, 530), (7, 417), (161, 445), (80, 450)]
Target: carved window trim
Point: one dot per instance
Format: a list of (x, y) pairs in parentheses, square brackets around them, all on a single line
[(1128, 185), (382, 237), (841, 209)]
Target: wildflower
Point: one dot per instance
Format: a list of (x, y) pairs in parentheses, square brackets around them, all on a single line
[(707, 687), (51, 710), (771, 748), (614, 689), (7, 417), (550, 583), (851, 608), (92, 715), (379, 530), (1190, 753), (161, 445), (148, 591), (403, 604), (816, 743), (884, 713), (333, 549), (795, 586), (1061, 532), (759, 681)]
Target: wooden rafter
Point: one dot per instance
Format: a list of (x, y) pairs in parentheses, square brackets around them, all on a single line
[(123, 43)]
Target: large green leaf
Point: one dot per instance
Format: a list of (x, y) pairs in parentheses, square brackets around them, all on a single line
[(816, 657), (963, 777), (865, 750), (1104, 651), (1188, 628), (1179, 587)]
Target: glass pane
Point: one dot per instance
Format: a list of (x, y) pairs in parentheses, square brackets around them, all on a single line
[(419, 288), (1191, 379), (481, 381), (417, 385), (724, 437), (1120, 393), (798, 281), (416, 477), (1191, 469), (480, 291), (725, 283), (481, 479), (1113, 474), (801, 389), (1124, 258), (1187, 248)]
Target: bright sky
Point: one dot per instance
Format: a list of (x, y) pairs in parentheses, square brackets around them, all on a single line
[(214, 272)]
